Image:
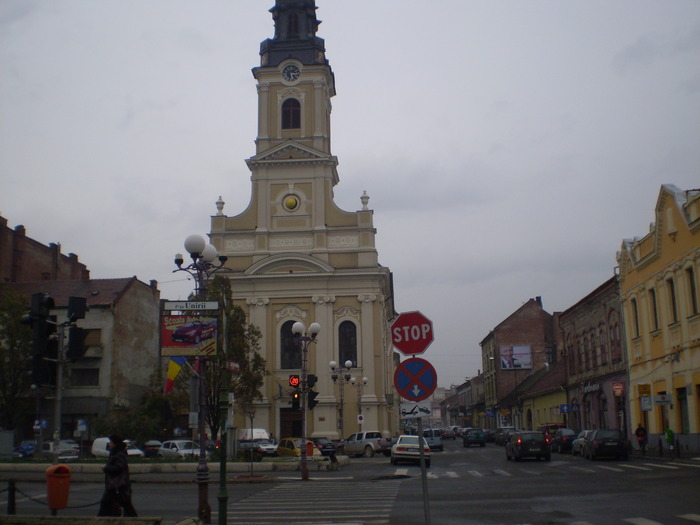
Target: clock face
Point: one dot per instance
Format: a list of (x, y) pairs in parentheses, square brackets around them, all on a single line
[(290, 73)]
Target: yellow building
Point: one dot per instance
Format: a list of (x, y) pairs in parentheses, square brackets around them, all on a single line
[(659, 289), (295, 256)]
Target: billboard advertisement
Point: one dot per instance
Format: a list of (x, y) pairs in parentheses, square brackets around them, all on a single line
[(188, 335), (516, 357)]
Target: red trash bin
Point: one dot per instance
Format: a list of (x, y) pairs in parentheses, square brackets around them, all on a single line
[(57, 486), (310, 448)]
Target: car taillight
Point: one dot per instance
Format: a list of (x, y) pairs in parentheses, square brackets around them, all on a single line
[(519, 441)]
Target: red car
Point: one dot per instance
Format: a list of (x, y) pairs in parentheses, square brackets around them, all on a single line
[(194, 332)]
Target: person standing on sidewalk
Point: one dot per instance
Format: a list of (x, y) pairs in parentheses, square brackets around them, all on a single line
[(641, 434), (117, 494)]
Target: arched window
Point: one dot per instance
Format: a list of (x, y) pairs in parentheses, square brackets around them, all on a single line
[(291, 114), (290, 353), (347, 343)]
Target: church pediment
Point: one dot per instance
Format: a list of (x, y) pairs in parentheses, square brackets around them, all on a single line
[(288, 263), (290, 152)]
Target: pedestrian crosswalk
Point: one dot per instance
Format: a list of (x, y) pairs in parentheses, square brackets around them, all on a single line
[(690, 518), (317, 502), (564, 467)]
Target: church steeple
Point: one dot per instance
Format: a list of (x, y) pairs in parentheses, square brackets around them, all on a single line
[(295, 34)]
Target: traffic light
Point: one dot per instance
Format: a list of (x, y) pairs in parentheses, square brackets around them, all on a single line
[(76, 343), (294, 381), (77, 306), (311, 380), (296, 398), (44, 346), (312, 399)]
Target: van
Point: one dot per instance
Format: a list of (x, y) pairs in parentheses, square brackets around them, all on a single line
[(100, 448), (250, 434)]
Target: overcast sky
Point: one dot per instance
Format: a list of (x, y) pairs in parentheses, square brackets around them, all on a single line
[(507, 146)]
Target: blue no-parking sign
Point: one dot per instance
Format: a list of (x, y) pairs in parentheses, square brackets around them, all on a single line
[(415, 379)]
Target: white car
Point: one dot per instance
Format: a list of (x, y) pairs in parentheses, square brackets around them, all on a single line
[(100, 448), (406, 448), (179, 448)]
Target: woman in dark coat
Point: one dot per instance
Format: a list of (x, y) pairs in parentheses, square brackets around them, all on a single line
[(117, 492)]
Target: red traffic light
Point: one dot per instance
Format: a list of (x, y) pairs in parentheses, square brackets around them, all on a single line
[(294, 381)]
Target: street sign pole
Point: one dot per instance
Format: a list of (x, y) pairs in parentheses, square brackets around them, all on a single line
[(423, 472)]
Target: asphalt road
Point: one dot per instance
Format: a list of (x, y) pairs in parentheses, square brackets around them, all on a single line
[(465, 486)]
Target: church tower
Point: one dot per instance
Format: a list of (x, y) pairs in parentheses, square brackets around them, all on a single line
[(295, 256)]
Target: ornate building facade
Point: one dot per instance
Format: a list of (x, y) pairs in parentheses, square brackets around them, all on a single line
[(659, 289), (295, 256)]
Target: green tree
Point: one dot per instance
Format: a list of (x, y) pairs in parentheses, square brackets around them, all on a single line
[(15, 362), (242, 346)]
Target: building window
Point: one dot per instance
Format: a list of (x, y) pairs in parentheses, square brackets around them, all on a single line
[(692, 291), (654, 309), (602, 347), (615, 337), (290, 353), (635, 318), (84, 377), (347, 343), (291, 114), (672, 304), (293, 26)]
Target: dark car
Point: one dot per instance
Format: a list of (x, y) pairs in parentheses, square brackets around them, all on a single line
[(502, 435), (606, 443), (527, 444), (490, 435), (474, 436), (325, 445), (150, 448), (562, 439)]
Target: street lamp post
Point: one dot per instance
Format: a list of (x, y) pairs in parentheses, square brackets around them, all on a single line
[(343, 373), (201, 268), (304, 338), (360, 387)]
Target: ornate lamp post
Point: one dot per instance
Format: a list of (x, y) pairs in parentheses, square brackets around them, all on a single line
[(360, 387), (201, 268), (344, 374), (304, 338)]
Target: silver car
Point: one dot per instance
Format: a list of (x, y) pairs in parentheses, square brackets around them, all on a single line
[(178, 448)]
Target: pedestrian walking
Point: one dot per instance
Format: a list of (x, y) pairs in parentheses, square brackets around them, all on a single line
[(117, 494), (641, 434)]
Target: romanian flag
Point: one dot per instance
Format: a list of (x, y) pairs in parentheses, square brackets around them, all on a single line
[(174, 367)]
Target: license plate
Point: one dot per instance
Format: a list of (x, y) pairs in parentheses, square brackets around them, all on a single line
[(534, 450), (611, 444)]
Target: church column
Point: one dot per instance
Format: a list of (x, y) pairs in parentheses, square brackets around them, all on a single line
[(371, 363), (326, 408), (319, 115), (263, 115)]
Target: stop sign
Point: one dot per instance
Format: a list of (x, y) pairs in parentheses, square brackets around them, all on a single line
[(412, 333)]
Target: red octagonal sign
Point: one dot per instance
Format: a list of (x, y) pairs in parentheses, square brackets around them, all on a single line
[(412, 333)]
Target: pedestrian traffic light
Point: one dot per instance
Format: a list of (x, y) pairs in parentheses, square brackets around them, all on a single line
[(294, 381), (311, 380), (312, 399), (296, 398), (76, 343)]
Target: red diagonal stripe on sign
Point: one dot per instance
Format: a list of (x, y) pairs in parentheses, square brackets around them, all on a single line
[(414, 379)]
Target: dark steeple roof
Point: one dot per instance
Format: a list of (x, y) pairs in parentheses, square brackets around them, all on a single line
[(295, 34)]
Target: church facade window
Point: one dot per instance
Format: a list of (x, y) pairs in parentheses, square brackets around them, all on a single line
[(347, 343), (291, 114), (290, 354)]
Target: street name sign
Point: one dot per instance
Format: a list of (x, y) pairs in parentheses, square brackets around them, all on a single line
[(190, 305), (412, 333), (415, 379)]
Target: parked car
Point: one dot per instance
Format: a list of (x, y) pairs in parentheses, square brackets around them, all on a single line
[(100, 448), (194, 332), (527, 444), (178, 448), (291, 447), (562, 439), (577, 444), (26, 448), (266, 447), (501, 435), (150, 448), (474, 436), (490, 435), (324, 445), (68, 450), (434, 438), (365, 444), (406, 448), (549, 429), (606, 442)]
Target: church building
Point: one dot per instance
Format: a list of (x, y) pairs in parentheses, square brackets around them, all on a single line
[(294, 256)]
